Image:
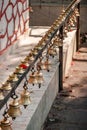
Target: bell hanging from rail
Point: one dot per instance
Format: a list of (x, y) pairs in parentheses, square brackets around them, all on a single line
[(32, 79), (14, 109), (47, 63), (5, 124), (39, 77), (42, 42), (1, 95), (76, 12), (13, 78), (41, 64), (56, 41), (29, 58), (6, 86), (52, 51), (38, 47), (25, 98), (34, 52), (19, 70)]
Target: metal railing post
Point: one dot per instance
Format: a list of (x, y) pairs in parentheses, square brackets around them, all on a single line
[(61, 60), (78, 30)]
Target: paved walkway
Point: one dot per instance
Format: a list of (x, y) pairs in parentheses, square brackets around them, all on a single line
[(69, 110)]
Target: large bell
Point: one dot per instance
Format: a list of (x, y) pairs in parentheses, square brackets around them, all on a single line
[(38, 47), (32, 79), (6, 86), (25, 98), (76, 12), (5, 124), (1, 95), (14, 109)]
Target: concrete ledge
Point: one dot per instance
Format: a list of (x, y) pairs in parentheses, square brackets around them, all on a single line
[(34, 115)]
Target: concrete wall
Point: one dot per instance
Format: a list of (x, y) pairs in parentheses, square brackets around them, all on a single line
[(46, 15)]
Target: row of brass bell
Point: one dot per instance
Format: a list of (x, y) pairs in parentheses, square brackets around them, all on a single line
[(37, 77)]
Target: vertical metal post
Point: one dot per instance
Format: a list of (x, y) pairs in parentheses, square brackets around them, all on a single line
[(78, 30), (61, 60)]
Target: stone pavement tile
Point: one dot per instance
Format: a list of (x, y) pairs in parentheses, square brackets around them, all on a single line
[(69, 110)]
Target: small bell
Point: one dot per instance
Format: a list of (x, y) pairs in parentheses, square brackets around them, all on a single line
[(47, 64), (32, 79), (25, 98), (51, 51), (42, 42), (39, 77), (38, 47), (76, 12), (19, 70), (13, 78), (5, 124), (6, 86), (55, 41), (34, 52), (1, 95), (41, 64), (14, 109), (29, 58)]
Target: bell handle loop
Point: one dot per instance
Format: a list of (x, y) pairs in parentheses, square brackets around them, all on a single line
[(14, 96), (38, 67), (25, 85), (5, 114)]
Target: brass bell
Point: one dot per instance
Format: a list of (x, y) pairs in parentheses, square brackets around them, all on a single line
[(39, 77), (1, 95), (29, 58), (14, 109), (6, 86), (25, 98), (34, 52), (19, 70), (13, 77), (56, 41), (5, 124), (51, 51), (41, 64), (47, 64), (32, 79)]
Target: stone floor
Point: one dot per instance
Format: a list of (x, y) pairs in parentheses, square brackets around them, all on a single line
[(69, 110)]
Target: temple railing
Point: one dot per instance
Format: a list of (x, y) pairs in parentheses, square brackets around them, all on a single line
[(67, 21)]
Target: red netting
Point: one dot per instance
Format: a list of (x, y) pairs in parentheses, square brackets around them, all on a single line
[(14, 20)]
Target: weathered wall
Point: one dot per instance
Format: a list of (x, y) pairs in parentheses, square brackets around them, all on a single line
[(46, 15), (14, 21)]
